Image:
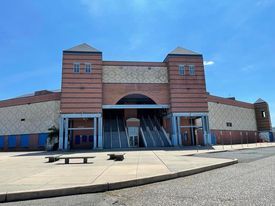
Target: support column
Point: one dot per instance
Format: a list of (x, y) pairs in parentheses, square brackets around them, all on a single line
[(174, 131), (95, 133), (179, 131), (204, 130), (100, 146), (66, 134), (61, 133), (208, 131)]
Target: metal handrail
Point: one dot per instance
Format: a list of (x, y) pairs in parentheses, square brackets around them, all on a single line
[(166, 135), (142, 135), (118, 131)]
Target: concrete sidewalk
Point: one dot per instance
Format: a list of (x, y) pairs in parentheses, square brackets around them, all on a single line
[(28, 171)]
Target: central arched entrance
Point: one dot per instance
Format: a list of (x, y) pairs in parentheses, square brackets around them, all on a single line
[(136, 120), (136, 99)]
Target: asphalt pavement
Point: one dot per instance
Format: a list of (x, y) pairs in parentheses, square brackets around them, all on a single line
[(251, 182)]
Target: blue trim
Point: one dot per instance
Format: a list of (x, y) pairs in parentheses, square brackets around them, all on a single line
[(2, 142), (77, 139), (42, 139), (24, 140), (84, 138), (91, 138), (12, 141)]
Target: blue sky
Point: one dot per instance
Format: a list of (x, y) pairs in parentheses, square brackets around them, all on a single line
[(236, 38)]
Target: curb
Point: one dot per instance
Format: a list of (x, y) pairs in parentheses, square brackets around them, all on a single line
[(36, 194)]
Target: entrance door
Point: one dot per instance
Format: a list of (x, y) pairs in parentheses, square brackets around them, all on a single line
[(133, 141)]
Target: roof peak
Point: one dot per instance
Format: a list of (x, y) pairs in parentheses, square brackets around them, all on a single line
[(84, 47), (259, 101), (182, 51)]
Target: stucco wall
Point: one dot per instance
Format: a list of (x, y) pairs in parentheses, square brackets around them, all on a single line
[(134, 74), (38, 118), (241, 118)]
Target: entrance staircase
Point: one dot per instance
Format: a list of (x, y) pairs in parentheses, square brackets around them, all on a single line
[(115, 133), (153, 133)]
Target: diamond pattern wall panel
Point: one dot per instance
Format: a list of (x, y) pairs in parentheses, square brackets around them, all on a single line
[(38, 117), (241, 118), (134, 74)]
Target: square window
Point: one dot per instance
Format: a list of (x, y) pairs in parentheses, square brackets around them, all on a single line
[(76, 67), (229, 124), (88, 68), (191, 69), (181, 70)]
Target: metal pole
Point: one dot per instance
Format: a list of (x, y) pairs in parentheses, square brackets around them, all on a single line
[(95, 133), (61, 133), (66, 133)]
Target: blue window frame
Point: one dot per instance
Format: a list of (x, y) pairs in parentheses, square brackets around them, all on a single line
[(77, 139), (42, 139), (84, 138), (2, 142), (91, 138), (181, 70), (12, 141), (24, 140)]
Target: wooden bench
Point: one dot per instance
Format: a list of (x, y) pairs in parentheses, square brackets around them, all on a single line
[(116, 156), (85, 159), (53, 158)]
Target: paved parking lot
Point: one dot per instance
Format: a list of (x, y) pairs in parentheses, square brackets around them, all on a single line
[(251, 182)]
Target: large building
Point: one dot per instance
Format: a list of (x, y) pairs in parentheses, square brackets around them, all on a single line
[(123, 104)]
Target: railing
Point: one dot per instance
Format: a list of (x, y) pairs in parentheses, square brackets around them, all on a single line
[(118, 131), (142, 135), (166, 136)]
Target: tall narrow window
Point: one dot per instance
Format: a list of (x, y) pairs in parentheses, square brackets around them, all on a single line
[(192, 70), (263, 114), (88, 68), (181, 70), (76, 67)]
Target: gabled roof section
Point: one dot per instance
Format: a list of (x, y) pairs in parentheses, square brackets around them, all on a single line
[(182, 51), (260, 101), (83, 48)]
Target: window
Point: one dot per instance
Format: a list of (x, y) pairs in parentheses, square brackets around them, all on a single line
[(76, 67), (263, 114), (191, 69), (229, 124), (88, 68), (181, 70)]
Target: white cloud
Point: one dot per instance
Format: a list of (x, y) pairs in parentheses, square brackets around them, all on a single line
[(208, 63)]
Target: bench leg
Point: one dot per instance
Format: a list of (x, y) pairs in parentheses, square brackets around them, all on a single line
[(67, 161), (85, 160)]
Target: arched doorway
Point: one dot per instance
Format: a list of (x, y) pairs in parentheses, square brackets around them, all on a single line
[(150, 132), (136, 99)]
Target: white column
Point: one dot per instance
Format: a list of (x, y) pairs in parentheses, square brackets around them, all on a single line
[(95, 133), (61, 134), (66, 133), (209, 141), (204, 130), (100, 146), (179, 131), (174, 131)]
